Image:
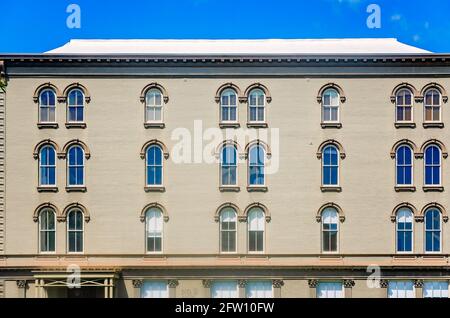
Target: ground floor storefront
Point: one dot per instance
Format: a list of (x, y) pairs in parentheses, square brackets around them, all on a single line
[(225, 283)]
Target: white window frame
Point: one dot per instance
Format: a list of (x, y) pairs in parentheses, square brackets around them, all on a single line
[(264, 106), (425, 165), (47, 167), (155, 281), (404, 106), (48, 107), (76, 106), (256, 210), (229, 106), (249, 165), (322, 283), (330, 165), (154, 106), (331, 106), (40, 231), (250, 282), (154, 165), (425, 232), (75, 231), (322, 230), (404, 165), (224, 281), (235, 231), (425, 105), (427, 283), (236, 165), (161, 235), (83, 166), (397, 216), (396, 282)]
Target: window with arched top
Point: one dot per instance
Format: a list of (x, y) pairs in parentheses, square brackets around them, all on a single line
[(228, 166), (432, 161), (154, 165), (404, 230), (330, 230), (256, 169), (330, 166), (47, 106), (47, 166), (154, 103), (228, 106), (75, 106), (75, 166), (47, 230), (154, 230), (257, 106), (404, 105), (75, 231), (432, 105), (330, 106), (228, 230), (256, 227), (404, 165), (433, 230)]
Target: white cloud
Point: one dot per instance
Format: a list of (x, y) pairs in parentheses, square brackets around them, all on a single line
[(416, 38), (396, 17)]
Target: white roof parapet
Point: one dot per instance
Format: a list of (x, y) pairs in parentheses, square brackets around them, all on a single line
[(238, 47)]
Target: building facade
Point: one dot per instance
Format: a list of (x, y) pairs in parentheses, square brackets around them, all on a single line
[(224, 175)]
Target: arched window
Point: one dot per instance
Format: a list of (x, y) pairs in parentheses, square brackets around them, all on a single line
[(403, 105), (404, 224), (47, 166), (330, 106), (433, 233), (154, 162), (75, 106), (256, 223), (47, 231), (432, 158), (228, 230), (330, 166), (404, 165), (228, 106), (256, 106), (47, 106), (256, 174), (75, 231), (154, 106), (75, 166), (330, 230), (228, 166), (432, 105), (154, 230)]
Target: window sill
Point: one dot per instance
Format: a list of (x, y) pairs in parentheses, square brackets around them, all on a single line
[(257, 189), (229, 125), (405, 125), (433, 189), (76, 189), (154, 125), (229, 189), (154, 189), (47, 189), (47, 125), (330, 189), (257, 125), (331, 125), (405, 188), (76, 125), (433, 125)]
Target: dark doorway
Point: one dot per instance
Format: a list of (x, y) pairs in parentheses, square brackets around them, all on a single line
[(86, 292)]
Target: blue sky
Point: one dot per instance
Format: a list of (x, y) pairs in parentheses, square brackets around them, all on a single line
[(33, 26)]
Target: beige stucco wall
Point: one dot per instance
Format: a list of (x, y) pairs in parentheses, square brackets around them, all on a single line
[(115, 172)]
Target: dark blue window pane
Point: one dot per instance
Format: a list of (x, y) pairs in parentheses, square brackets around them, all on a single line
[(72, 156), (51, 156), (401, 155), (154, 156), (72, 176), (428, 175), (52, 176), (436, 155), (408, 241), (436, 175), (334, 175), (436, 240), (326, 175), (79, 114), (80, 176), (400, 242)]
